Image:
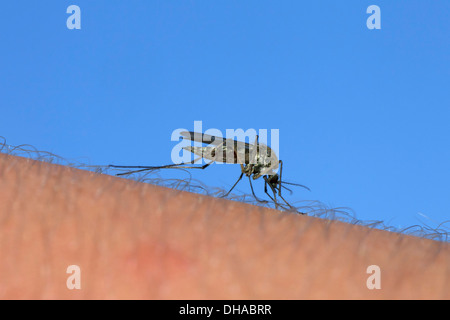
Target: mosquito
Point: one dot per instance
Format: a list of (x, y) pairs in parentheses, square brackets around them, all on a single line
[(256, 160)]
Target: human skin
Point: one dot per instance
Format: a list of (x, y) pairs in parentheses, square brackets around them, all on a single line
[(134, 240)]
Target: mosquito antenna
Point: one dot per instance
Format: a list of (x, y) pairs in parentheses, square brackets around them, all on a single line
[(295, 184), (290, 191)]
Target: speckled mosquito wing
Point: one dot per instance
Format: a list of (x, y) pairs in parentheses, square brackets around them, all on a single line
[(221, 149)]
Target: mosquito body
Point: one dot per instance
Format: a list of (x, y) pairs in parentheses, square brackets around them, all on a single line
[(256, 160)]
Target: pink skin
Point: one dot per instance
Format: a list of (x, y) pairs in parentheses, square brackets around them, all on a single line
[(134, 240)]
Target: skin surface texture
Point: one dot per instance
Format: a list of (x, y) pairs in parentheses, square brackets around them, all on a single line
[(134, 240)]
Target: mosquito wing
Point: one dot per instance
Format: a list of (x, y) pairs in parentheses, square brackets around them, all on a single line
[(229, 150), (220, 149), (201, 137)]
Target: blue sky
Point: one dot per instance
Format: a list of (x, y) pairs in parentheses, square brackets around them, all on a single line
[(363, 114)]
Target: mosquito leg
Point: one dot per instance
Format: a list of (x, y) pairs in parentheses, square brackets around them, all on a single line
[(130, 172), (253, 192), (279, 180), (240, 177), (153, 167), (180, 166), (289, 205), (169, 166)]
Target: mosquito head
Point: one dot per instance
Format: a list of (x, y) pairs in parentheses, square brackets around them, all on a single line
[(273, 179)]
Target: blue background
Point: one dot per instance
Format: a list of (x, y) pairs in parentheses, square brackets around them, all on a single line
[(363, 114)]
